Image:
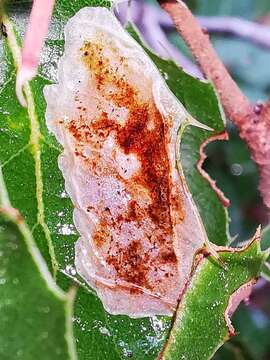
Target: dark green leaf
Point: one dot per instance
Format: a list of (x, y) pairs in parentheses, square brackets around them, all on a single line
[(36, 316)]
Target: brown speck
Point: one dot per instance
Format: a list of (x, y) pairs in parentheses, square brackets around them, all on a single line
[(168, 256)]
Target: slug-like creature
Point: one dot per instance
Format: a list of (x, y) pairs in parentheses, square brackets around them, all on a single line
[(118, 123)]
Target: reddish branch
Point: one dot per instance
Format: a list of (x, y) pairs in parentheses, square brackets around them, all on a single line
[(252, 121)]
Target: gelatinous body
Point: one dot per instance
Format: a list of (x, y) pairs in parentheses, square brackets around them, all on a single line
[(118, 123)]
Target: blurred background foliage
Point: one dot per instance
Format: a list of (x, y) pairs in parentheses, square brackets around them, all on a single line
[(229, 162)]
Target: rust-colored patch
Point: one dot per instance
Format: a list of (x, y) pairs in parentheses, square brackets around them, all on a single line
[(168, 256), (144, 135), (149, 146), (131, 265), (135, 137), (134, 212), (102, 233)]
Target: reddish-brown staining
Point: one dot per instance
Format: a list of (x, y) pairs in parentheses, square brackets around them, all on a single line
[(102, 234), (149, 147), (103, 126), (177, 206), (168, 256), (134, 213), (131, 265), (148, 143), (74, 130), (96, 62), (80, 154)]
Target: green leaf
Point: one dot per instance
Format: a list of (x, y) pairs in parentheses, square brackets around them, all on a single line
[(266, 246), (233, 350), (64, 9), (205, 108), (36, 315), (200, 315)]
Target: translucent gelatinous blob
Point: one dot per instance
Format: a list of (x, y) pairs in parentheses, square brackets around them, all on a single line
[(117, 121)]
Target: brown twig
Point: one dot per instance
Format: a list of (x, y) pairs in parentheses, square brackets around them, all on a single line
[(252, 121)]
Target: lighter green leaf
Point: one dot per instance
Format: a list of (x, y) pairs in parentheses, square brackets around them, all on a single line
[(200, 327), (266, 245)]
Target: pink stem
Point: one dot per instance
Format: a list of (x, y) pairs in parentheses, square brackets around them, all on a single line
[(34, 38)]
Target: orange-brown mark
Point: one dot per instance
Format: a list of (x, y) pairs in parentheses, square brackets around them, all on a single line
[(149, 146), (132, 265), (135, 137), (148, 143), (102, 233)]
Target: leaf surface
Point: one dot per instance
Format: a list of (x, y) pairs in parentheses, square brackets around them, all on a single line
[(36, 315), (265, 246), (201, 312)]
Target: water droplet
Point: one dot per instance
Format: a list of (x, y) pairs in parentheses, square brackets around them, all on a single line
[(126, 351), (66, 229), (70, 270), (44, 335), (64, 194), (236, 169), (15, 281), (19, 352), (104, 331)]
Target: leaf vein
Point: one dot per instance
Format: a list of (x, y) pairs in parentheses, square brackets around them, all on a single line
[(35, 138)]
